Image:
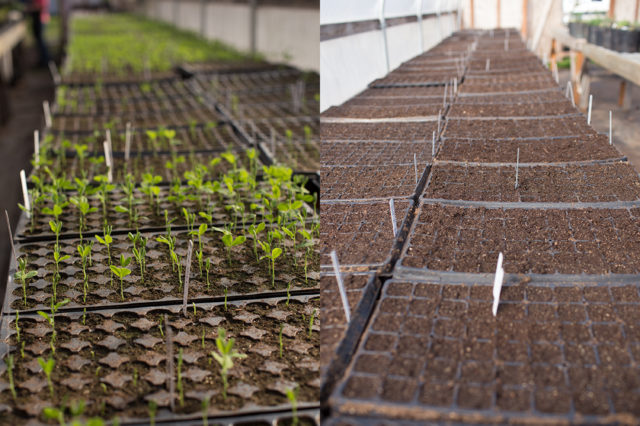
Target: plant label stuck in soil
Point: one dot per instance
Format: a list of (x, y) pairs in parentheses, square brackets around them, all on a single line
[(392, 209), (497, 285), (25, 193), (343, 293)]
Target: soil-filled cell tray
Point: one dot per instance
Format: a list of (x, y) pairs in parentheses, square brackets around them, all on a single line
[(583, 148), (257, 80), (522, 77), (404, 92), (360, 233), (80, 78), (292, 141), (518, 128), (117, 361), (196, 137), (143, 120), (540, 96), (391, 101), (525, 109), (578, 241), (280, 106), (140, 164), (149, 213), (435, 352), (338, 153), (496, 65), (560, 184), (334, 322), (361, 111), (506, 87), (414, 79), (365, 182), (391, 131), (238, 271)]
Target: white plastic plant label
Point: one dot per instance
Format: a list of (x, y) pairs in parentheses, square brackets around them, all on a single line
[(343, 293), (497, 285)]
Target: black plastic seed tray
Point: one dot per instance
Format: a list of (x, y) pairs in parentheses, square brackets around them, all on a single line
[(361, 233), (374, 153), (339, 338), (96, 349), (508, 128), (434, 352), (380, 131), (542, 238)]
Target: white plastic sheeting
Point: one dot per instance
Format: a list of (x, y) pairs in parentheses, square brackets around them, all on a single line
[(348, 64)]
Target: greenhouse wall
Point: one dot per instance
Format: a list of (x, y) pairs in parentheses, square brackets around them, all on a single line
[(282, 33)]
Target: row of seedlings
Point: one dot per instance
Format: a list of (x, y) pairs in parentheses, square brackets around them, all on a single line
[(163, 271), (519, 172), (377, 150)]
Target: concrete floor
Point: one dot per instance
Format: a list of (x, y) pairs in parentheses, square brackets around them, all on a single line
[(605, 88), (16, 147)]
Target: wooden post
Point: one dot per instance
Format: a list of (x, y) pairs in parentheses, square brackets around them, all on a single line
[(636, 14), (612, 9), (472, 13), (577, 63), (525, 11), (498, 13), (624, 100)]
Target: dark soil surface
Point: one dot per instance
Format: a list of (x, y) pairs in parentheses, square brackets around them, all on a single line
[(586, 241), (417, 78), (544, 96), (401, 92), (512, 128), (244, 275), (391, 101), (521, 78), (593, 183), (360, 233), (362, 182), (512, 109), (148, 120), (384, 111), (582, 148), (567, 352), (95, 352), (507, 86), (336, 153), (90, 78), (418, 131)]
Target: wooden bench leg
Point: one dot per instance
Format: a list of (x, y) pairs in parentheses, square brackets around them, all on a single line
[(624, 100)]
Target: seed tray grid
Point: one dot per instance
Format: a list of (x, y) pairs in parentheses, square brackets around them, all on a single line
[(557, 183), (379, 131), (109, 339), (506, 87), (245, 277), (366, 182), (361, 232), (524, 128), (253, 80), (572, 241), (561, 149), (560, 108), (403, 92), (365, 153), (362, 111), (433, 350)]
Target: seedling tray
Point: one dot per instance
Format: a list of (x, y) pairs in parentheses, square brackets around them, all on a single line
[(554, 354), (362, 111), (391, 131), (560, 108), (563, 149), (565, 239), (361, 233), (339, 338), (507, 128), (199, 137), (77, 78), (532, 97), (405, 92), (244, 277), (547, 183), (506, 87), (375, 153), (119, 342), (371, 182)]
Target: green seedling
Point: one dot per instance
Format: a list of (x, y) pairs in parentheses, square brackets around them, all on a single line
[(175, 260), (18, 326), (229, 241), (135, 377), (12, 386), (288, 293), (308, 246), (50, 318), (311, 320), (139, 252), (121, 272), (202, 229), (83, 206), (280, 341), (190, 218), (85, 253), (104, 190), (292, 396), (255, 230), (106, 240), (205, 411), (307, 134), (225, 355), (149, 186), (22, 275), (179, 383), (272, 255), (47, 367), (56, 228), (58, 257), (153, 409), (53, 413)]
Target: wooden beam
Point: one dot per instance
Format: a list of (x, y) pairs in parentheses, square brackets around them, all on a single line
[(472, 13), (612, 9), (498, 13), (577, 63), (636, 14), (525, 13)]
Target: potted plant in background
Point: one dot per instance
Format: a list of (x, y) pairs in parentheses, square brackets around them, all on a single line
[(626, 36)]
